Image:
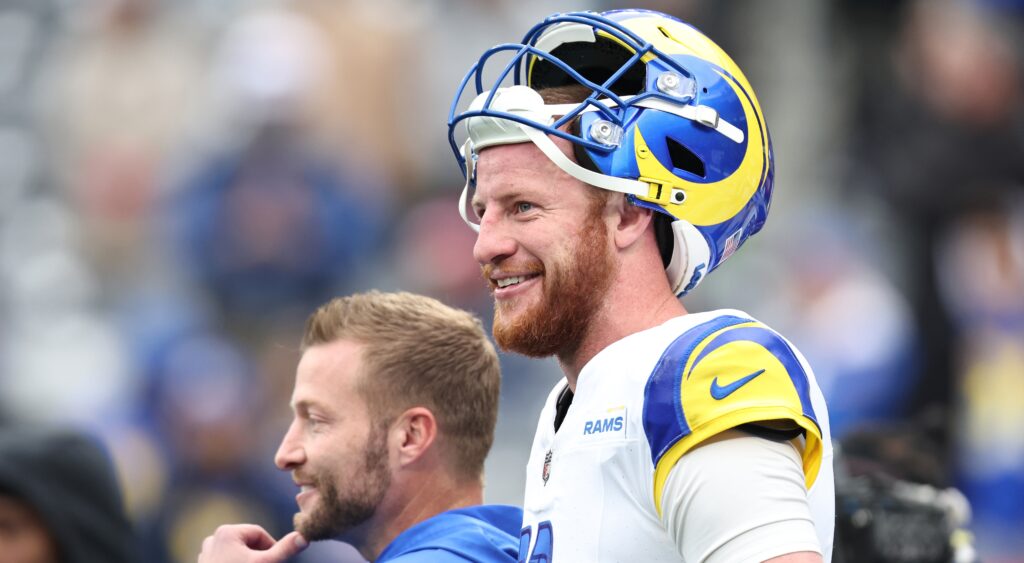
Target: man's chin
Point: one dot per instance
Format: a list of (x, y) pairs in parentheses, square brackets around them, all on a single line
[(312, 526), (510, 321), (301, 522), (312, 530), (527, 334), (508, 315)]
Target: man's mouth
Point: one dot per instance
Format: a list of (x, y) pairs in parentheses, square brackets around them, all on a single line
[(305, 492), (306, 489), (513, 280)]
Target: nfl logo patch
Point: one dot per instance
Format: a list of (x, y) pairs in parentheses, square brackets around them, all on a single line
[(546, 472)]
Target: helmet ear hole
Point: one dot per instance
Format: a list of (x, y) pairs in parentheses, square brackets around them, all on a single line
[(684, 159), (665, 237)]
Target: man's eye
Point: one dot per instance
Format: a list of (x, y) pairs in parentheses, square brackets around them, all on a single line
[(523, 207)]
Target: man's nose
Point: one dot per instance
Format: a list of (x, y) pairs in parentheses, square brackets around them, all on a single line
[(493, 242), (290, 453)]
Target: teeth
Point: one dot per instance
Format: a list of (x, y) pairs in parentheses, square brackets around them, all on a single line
[(505, 282), (306, 488)]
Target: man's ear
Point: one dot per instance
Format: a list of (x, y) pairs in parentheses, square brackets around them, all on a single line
[(413, 434), (631, 221)]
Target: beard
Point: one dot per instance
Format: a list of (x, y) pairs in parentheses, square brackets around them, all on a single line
[(572, 293), (340, 511)]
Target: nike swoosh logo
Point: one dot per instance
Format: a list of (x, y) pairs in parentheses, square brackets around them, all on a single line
[(720, 392)]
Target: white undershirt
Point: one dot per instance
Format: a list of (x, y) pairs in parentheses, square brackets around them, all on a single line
[(738, 498)]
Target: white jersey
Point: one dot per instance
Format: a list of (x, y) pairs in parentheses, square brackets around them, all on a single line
[(594, 488)]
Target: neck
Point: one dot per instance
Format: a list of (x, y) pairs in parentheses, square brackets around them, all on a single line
[(413, 499), (625, 310)]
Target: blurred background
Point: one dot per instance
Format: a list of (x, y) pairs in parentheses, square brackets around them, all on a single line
[(182, 182)]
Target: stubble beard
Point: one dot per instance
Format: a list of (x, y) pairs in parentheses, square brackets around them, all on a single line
[(572, 294), (338, 512)]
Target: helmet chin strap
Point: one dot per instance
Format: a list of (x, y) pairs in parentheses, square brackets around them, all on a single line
[(555, 155), (464, 203)]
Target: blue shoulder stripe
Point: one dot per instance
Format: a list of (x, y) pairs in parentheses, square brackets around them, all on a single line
[(664, 422)]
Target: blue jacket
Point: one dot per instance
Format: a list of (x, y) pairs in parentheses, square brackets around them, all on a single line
[(484, 534)]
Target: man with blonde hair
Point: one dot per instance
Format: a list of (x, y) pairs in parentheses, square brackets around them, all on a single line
[(395, 403)]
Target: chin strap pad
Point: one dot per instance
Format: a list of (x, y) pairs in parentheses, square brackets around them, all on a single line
[(690, 258)]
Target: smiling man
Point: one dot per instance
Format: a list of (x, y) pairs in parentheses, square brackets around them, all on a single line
[(619, 159), (395, 402)]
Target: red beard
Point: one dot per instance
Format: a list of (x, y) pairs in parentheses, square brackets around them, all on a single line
[(572, 293)]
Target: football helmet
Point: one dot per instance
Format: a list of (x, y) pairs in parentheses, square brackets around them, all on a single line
[(668, 119)]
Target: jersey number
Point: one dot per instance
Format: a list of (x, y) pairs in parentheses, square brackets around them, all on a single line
[(541, 549)]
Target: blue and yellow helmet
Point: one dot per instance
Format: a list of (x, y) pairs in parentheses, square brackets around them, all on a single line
[(668, 119)]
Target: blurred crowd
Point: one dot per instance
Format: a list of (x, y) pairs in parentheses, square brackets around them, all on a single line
[(181, 183)]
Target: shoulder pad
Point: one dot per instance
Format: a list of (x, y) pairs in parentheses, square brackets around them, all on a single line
[(721, 374)]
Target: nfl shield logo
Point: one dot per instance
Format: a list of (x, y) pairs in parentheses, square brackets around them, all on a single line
[(546, 472)]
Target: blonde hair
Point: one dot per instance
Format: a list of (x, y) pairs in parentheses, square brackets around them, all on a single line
[(420, 352)]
